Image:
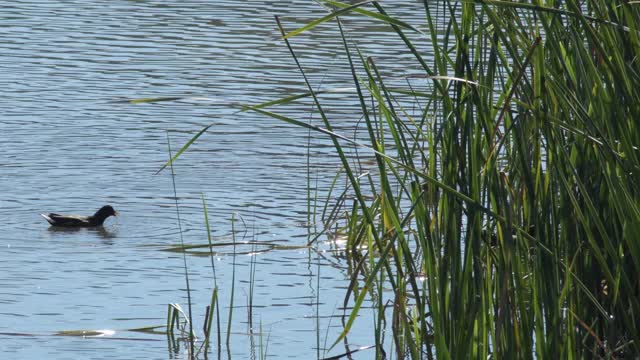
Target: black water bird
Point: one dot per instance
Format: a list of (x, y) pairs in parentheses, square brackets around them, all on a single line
[(94, 220)]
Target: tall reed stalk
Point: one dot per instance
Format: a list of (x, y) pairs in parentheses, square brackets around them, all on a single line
[(184, 258)]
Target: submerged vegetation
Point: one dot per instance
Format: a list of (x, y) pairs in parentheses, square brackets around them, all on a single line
[(503, 217)]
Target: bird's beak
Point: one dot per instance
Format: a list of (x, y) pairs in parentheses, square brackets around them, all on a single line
[(116, 213)]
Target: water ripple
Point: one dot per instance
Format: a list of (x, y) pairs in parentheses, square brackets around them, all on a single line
[(70, 142)]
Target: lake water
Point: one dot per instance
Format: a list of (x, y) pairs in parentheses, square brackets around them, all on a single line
[(70, 143)]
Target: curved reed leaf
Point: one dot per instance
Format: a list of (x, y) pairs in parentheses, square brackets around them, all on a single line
[(376, 16), (293, 98), (323, 19), (184, 148)]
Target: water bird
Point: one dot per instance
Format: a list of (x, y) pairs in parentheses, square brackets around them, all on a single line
[(94, 220)]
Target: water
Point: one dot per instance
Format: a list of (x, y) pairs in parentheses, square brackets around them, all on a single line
[(69, 143)]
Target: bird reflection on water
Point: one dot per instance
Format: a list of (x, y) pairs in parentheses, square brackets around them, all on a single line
[(101, 231)]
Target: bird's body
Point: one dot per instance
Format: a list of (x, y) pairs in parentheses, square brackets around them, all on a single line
[(94, 220)]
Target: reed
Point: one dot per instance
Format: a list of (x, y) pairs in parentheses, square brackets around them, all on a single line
[(503, 217), (214, 295), (175, 312), (233, 287), (506, 210), (174, 309)]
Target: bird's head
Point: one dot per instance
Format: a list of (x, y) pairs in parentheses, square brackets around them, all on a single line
[(106, 211)]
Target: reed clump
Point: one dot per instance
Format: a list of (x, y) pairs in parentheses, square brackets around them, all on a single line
[(504, 215)]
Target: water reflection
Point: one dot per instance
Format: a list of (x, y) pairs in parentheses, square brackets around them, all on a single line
[(67, 144), (100, 231)]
